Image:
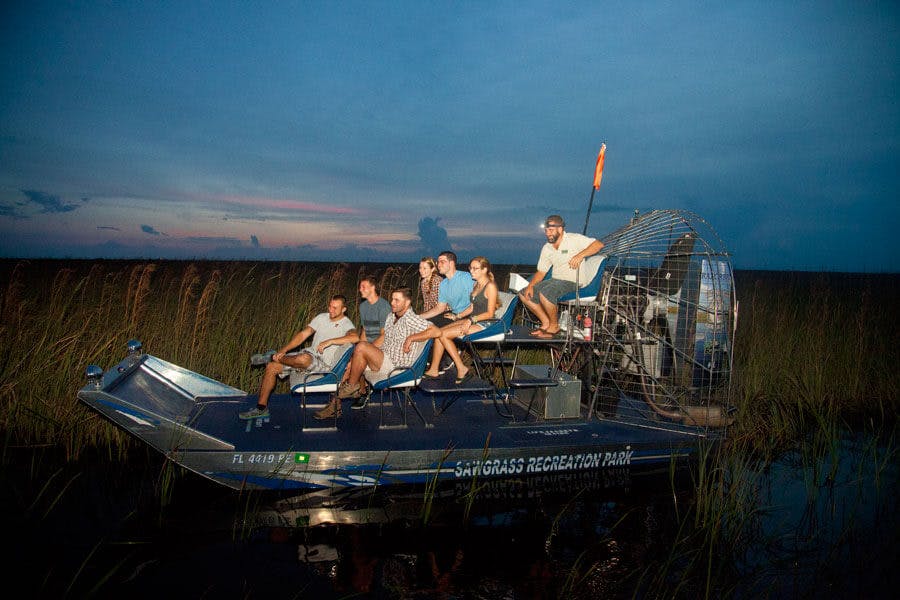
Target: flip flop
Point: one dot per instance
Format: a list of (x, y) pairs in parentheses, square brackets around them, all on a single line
[(464, 378), (537, 332), (427, 376)]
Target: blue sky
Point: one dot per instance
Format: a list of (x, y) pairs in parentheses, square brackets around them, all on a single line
[(388, 130)]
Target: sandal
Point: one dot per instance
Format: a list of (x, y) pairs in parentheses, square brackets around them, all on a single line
[(464, 378)]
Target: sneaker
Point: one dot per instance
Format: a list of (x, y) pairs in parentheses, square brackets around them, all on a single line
[(360, 403), (258, 360), (348, 390), (331, 410), (254, 413)]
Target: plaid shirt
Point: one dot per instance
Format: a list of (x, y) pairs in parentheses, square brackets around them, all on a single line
[(429, 288), (395, 333)]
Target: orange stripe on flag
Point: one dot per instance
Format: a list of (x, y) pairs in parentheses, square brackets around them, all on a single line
[(598, 172)]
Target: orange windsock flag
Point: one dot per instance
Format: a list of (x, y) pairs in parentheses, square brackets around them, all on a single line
[(598, 172)]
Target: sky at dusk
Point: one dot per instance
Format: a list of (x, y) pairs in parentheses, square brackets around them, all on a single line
[(385, 131)]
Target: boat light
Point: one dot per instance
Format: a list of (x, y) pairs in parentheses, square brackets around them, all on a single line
[(134, 347), (94, 375)]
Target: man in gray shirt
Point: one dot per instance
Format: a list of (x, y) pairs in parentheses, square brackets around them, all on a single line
[(373, 310)]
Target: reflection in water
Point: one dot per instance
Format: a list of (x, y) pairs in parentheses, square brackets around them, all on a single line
[(816, 523), (829, 522), (511, 538)]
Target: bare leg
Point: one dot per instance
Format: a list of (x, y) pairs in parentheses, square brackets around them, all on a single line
[(274, 369), (537, 310), (437, 352), (447, 337), (552, 312), (365, 355)]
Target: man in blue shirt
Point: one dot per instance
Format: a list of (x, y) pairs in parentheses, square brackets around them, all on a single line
[(453, 298)]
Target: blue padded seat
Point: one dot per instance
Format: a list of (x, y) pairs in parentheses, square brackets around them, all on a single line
[(591, 271), (495, 329), (322, 381), (401, 381)]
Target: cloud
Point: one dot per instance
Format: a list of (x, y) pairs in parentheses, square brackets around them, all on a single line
[(433, 236), (10, 211), (47, 202), (150, 230), (214, 239), (254, 241)]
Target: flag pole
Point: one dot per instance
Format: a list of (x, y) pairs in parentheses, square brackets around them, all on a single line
[(598, 175)]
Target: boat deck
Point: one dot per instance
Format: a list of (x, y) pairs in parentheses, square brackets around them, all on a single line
[(469, 415)]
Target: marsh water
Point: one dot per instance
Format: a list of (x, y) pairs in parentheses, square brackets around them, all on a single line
[(812, 523)]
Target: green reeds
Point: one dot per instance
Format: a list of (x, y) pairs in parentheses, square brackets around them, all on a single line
[(59, 317), (812, 349)]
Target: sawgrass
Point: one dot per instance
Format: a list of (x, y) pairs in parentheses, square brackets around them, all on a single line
[(814, 351), (57, 318)]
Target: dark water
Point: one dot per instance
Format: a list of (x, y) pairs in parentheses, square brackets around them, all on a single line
[(819, 525)]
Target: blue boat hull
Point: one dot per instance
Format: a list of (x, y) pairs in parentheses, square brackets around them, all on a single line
[(194, 421)]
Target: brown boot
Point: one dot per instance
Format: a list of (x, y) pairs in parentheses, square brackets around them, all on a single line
[(332, 410)]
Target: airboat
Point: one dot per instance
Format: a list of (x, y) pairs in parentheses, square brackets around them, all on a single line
[(644, 386)]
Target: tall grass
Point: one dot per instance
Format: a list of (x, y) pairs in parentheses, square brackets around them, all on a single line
[(812, 350), (58, 317)]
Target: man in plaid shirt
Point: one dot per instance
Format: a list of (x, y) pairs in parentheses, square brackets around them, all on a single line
[(399, 345)]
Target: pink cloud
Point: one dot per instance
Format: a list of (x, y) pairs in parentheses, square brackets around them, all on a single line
[(284, 204)]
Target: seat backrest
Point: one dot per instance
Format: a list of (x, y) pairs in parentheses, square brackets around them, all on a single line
[(591, 272), (326, 382), (504, 315), (410, 376)]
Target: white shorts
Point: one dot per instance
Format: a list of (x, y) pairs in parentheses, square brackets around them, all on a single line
[(381, 374)]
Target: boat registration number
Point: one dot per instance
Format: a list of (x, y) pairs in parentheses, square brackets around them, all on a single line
[(270, 458)]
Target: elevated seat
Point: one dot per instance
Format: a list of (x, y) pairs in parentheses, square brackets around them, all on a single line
[(590, 271), (400, 384)]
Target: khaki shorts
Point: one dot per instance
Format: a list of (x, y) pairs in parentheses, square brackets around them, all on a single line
[(381, 374)]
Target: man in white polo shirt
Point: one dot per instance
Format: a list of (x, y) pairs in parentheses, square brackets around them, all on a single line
[(564, 253)]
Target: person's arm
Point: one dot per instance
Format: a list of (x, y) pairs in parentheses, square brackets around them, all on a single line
[(461, 314), (438, 308), (299, 337), (351, 337), (379, 341), (430, 333), (592, 249)]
